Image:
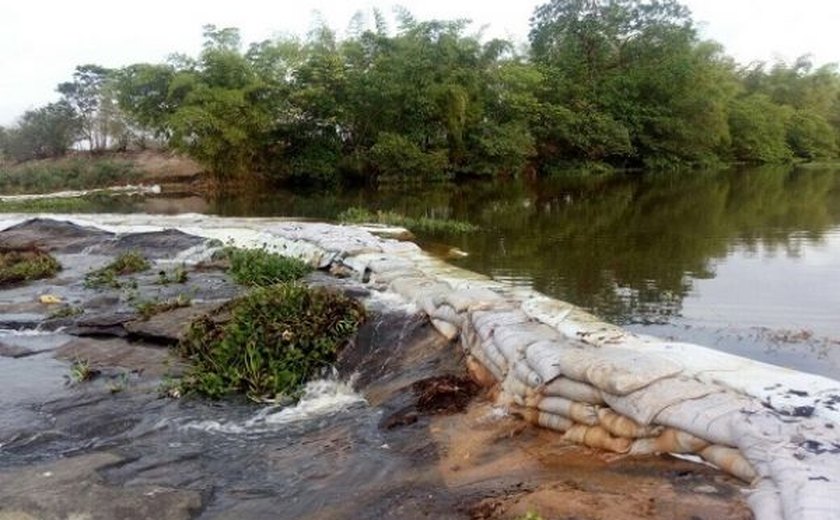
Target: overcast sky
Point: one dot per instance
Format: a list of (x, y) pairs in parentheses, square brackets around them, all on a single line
[(41, 41)]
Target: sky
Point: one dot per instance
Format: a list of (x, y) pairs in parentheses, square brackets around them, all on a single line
[(42, 41)]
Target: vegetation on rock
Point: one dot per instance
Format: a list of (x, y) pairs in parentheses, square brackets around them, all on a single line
[(258, 267), (18, 266), (269, 343), (358, 215), (147, 309), (108, 276)]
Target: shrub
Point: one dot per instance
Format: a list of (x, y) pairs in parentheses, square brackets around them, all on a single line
[(258, 267), (21, 266), (397, 158), (272, 342)]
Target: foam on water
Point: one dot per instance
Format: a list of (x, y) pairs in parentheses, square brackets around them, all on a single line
[(321, 397)]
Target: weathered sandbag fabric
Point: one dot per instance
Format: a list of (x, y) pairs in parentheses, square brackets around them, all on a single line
[(563, 369)]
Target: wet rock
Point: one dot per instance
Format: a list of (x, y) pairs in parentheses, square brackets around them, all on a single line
[(168, 327), (73, 488), (103, 324), (444, 394), (153, 245), (52, 235), (117, 353)]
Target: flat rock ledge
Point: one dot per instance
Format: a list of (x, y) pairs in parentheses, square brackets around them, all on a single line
[(565, 370)]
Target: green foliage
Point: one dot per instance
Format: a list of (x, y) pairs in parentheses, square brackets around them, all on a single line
[(177, 275), (108, 276), (66, 311), (258, 267), (358, 215), (49, 205), (66, 174), (759, 129), (810, 136), (276, 339), (17, 266), (81, 372), (396, 158), (147, 309), (48, 131)]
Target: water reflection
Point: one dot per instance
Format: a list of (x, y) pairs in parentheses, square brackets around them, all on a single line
[(630, 248)]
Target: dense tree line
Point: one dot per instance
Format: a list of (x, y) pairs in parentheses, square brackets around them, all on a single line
[(617, 83)]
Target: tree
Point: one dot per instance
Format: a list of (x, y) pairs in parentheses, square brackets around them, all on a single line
[(48, 131)]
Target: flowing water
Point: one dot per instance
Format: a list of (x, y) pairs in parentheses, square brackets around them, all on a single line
[(746, 261)]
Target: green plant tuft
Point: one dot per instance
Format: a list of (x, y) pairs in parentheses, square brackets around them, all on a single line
[(81, 371), (18, 266), (124, 264), (258, 267), (356, 215), (66, 311), (269, 343), (147, 309)]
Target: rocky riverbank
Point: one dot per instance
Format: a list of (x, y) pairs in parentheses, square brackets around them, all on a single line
[(401, 431)]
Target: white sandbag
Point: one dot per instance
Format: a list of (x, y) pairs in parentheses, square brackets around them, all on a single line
[(611, 369), (729, 460), (710, 417), (513, 340), (669, 441), (764, 500), (621, 426), (597, 437), (446, 329), (486, 321), (544, 357), (446, 313), (467, 299), (386, 277), (492, 353), (481, 357), (419, 289), (644, 404), (515, 386), (572, 390), (578, 412), (524, 373)]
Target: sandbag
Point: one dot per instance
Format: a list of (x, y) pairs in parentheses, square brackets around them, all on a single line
[(597, 437), (544, 357), (729, 460), (486, 321), (466, 299), (710, 417), (764, 500), (645, 404), (547, 420), (621, 426), (446, 329), (480, 373), (578, 412), (513, 340), (572, 390), (669, 441), (492, 353), (524, 373)]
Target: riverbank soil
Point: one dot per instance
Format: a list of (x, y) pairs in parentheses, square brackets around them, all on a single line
[(89, 428)]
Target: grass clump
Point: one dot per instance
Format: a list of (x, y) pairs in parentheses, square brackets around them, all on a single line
[(66, 174), (178, 275), (81, 371), (270, 342), (148, 309), (18, 266), (260, 268), (51, 205), (66, 311), (356, 215), (126, 263)]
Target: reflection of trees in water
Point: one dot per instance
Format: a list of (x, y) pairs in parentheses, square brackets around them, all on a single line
[(626, 247)]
